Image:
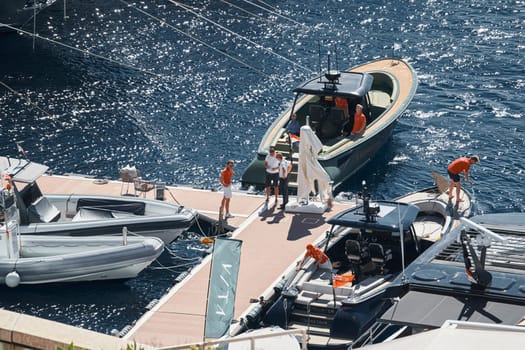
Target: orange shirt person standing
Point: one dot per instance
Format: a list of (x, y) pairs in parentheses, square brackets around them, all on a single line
[(341, 102), (460, 165), (321, 259), (226, 181), (359, 121)]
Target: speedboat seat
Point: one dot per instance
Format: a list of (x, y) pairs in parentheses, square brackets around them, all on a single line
[(41, 210), (379, 255), (334, 121), (355, 252), (316, 115)]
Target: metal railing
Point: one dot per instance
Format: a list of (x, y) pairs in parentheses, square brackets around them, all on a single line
[(246, 337)]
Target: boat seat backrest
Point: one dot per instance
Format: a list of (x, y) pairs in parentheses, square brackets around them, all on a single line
[(30, 193), (379, 254), (337, 116), (42, 210), (355, 251), (316, 114), (331, 127)]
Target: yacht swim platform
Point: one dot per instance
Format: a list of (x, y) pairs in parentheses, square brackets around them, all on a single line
[(178, 318)]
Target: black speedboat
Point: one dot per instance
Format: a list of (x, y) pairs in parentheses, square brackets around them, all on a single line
[(368, 245), (383, 87), (474, 274)]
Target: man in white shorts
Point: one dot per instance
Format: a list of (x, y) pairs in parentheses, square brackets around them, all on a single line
[(226, 181)]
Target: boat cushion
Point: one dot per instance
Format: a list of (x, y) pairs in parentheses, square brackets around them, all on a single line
[(134, 207), (324, 288), (41, 210), (85, 214)]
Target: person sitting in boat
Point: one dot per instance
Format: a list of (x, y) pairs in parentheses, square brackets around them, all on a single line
[(322, 260), (359, 123), (293, 126)]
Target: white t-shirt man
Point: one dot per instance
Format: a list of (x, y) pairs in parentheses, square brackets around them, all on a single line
[(273, 164), (283, 168)]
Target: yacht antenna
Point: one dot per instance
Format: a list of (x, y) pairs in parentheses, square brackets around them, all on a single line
[(403, 276), (370, 212), (319, 54), (336, 59)]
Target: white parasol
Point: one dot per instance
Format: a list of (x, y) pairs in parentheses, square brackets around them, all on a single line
[(309, 171)]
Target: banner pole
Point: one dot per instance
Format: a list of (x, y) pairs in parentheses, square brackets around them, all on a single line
[(207, 298)]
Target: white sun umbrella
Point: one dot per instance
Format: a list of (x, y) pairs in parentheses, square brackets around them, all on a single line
[(309, 168)]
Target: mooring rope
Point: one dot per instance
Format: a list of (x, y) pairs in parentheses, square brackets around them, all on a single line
[(261, 18), (239, 36), (194, 38), (275, 13), (86, 52), (27, 99)]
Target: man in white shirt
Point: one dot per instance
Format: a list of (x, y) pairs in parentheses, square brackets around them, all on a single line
[(271, 163), (284, 169)]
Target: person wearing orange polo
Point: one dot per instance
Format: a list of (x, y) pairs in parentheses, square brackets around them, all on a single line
[(321, 259), (460, 165), (226, 181), (341, 102), (359, 121)]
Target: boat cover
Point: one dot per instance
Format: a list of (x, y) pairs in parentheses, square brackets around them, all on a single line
[(452, 337), (389, 218), (432, 310)]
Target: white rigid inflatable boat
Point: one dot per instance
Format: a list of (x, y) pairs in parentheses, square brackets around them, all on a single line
[(32, 259)]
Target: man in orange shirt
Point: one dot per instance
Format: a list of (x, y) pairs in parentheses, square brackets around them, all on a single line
[(460, 165), (359, 121), (226, 181), (321, 259), (341, 102)]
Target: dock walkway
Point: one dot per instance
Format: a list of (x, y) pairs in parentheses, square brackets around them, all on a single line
[(272, 241)]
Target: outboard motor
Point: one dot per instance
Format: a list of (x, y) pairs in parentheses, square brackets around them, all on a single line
[(9, 232), (9, 247)]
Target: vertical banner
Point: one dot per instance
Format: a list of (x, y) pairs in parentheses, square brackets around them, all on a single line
[(222, 286)]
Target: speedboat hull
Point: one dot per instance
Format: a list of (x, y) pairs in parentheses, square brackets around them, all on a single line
[(58, 259), (88, 215)]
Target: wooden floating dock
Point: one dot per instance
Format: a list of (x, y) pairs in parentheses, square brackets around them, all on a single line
[(272, 241)]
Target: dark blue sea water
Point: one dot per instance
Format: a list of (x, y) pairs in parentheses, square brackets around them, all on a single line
[(223, 71)]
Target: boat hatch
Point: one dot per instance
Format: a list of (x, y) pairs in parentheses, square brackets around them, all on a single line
[(432, 310), (22, 170), (348, 84), (389, 217)]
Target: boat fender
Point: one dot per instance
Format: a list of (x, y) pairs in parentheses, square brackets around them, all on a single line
[(207, 240), (12, 279), (279, 286), (253, 317)]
